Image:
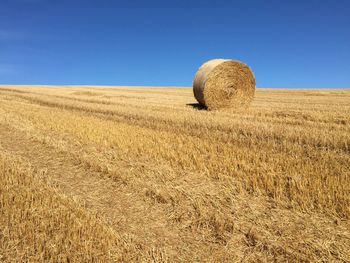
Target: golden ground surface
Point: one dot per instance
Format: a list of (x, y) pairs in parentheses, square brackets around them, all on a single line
[(144, 174)]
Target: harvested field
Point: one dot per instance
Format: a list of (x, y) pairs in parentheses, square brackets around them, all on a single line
[(104, 174)]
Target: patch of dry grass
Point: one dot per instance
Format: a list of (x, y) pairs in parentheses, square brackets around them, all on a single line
[(87, 93), (39, 224)]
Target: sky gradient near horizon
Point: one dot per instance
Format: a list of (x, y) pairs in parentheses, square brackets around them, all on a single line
[(162, 43)]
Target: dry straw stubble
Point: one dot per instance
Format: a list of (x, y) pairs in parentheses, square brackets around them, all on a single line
[(223, 83), (268, 184)]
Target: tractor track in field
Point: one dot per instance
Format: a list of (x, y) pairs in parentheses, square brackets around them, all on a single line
[(135, 213)]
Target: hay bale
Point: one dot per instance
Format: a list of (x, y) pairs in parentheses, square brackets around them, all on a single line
[(223, 83)]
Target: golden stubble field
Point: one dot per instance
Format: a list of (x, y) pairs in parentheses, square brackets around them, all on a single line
[(142, 174)]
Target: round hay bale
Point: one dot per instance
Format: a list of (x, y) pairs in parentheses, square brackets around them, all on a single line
[(223, 83)]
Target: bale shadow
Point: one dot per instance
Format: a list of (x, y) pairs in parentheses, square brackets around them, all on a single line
[(197, 106)]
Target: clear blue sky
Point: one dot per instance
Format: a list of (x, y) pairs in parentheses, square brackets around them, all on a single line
[(287, 43)]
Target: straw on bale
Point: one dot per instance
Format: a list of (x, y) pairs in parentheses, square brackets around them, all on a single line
[(223, 83)]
